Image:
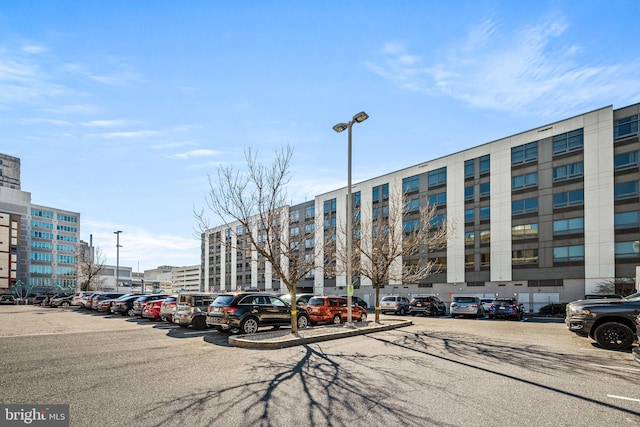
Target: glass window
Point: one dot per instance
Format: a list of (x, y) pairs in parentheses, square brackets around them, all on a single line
[(524, 256), (625, 127), (410, 225), (485, 236), (468, 193), (627, 249), (356, 198), (411, 184), (375, 192), (485, 164), (568, 142), (385, 191), (626, 160), (438, 177), (469, 238), (329, 206), (375, 213), (385, 211), (485, 213), (568, 226), (485, 189), (413, 205), (310, 212), (439, 199), (519, 182), (525, 206), (524, 153), (568, 253), (469, 215), (571, 171), (524, 231), (485, 260), (469, 261), (625, 190), (626, 220), (569, 198), (469, 168), (437, 220)]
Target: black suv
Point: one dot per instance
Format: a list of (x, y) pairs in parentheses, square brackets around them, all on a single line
[(427, 305), (248, 311), (611, 322)]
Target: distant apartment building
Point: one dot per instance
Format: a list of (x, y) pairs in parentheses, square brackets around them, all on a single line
[(187, 279), (546, 215), (159, 279), (44, 254)]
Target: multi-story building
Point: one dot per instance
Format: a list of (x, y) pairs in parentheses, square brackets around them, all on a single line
[(43, 256), (186, 279), (547, 215)]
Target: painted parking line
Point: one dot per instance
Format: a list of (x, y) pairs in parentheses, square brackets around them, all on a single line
[(623, 398), (617, 368)]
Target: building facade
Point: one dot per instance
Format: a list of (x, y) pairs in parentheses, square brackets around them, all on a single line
[(546, 215), (187, 279)]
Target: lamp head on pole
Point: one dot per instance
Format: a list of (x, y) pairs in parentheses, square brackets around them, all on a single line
[(360, 117), (340, 127)]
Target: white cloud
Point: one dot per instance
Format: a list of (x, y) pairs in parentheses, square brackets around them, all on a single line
[(127, 135), (32, 48), (196, 153), (109, 123), (528, 71)]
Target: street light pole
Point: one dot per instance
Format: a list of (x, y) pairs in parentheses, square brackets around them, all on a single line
[(117, 233), (360, 117)]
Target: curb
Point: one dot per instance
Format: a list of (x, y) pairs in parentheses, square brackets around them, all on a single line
[(284, 338)]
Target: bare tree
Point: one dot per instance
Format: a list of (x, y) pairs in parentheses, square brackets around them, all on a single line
[(394, 245), (91, 269), (619, 285), (254, 202)]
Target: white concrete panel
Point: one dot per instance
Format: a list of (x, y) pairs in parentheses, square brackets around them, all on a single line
[(455, 220)]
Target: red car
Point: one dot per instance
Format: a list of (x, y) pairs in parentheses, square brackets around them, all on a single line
[(151, 309), (333, 310)]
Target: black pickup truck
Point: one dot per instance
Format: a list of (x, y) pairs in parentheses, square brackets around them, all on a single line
[(610, 322)]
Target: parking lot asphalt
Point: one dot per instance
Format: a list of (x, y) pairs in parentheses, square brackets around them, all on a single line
[(284, 338)]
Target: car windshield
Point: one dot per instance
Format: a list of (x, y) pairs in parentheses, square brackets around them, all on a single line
[(464, 299), (223, 301), (632, 297), (389, 299), (316, 302)]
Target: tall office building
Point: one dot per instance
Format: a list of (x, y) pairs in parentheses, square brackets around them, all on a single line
[(9, 172), (546, 215)]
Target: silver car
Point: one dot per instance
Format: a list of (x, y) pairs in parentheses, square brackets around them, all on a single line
[(466, 306), (394, 304), (191, 309)]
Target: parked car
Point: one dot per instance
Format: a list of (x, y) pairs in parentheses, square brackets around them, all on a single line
[(602, 296), (39, 299), (427, 305), (138, 304), (191, 309), (394, 304), (610, 322), (63, 301), (7, 299), (333, 310), (486, 304), (77, 297), (247, 312), (357, 301), (167, 308), (124, 305), (506, 308), (301, 299), (88, 300), (636, 350), (151, 309), (465, 305), (95, 300)]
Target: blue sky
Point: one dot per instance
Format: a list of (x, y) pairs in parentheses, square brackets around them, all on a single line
[(120, 110)]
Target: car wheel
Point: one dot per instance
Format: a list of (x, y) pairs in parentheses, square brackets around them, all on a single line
[(66, 304), (401, 312), (199, 323), (130, 313), (614, 336), (303, 322), (336, 319), (249, 325), (363, 317)]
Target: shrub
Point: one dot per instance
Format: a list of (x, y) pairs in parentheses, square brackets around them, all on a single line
[(553, 309)]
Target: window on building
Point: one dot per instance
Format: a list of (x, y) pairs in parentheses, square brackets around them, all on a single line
[(439, 199), (410, 225), (375, 193), (309, 212), (568, 253), (625, 127), (485, 213), (469, 261), (374, 213), (624, 220), (485, 236), (468, 192), (469, 168), (469, 238), (627, 249), (385, 191), (413, 205), (524, 256), (571, 171), (469, 215), (437, 220), (329, 206), (568, 226), (624, 161), (527, 180), (524, 153), (411, 184), (568, 142), (524, 231), (437, 177), (625, 190), (385, 211), (485, 189), (485, 260), (356, 198), (568, 198), (520, 207), (294, 216), (485, 164)]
